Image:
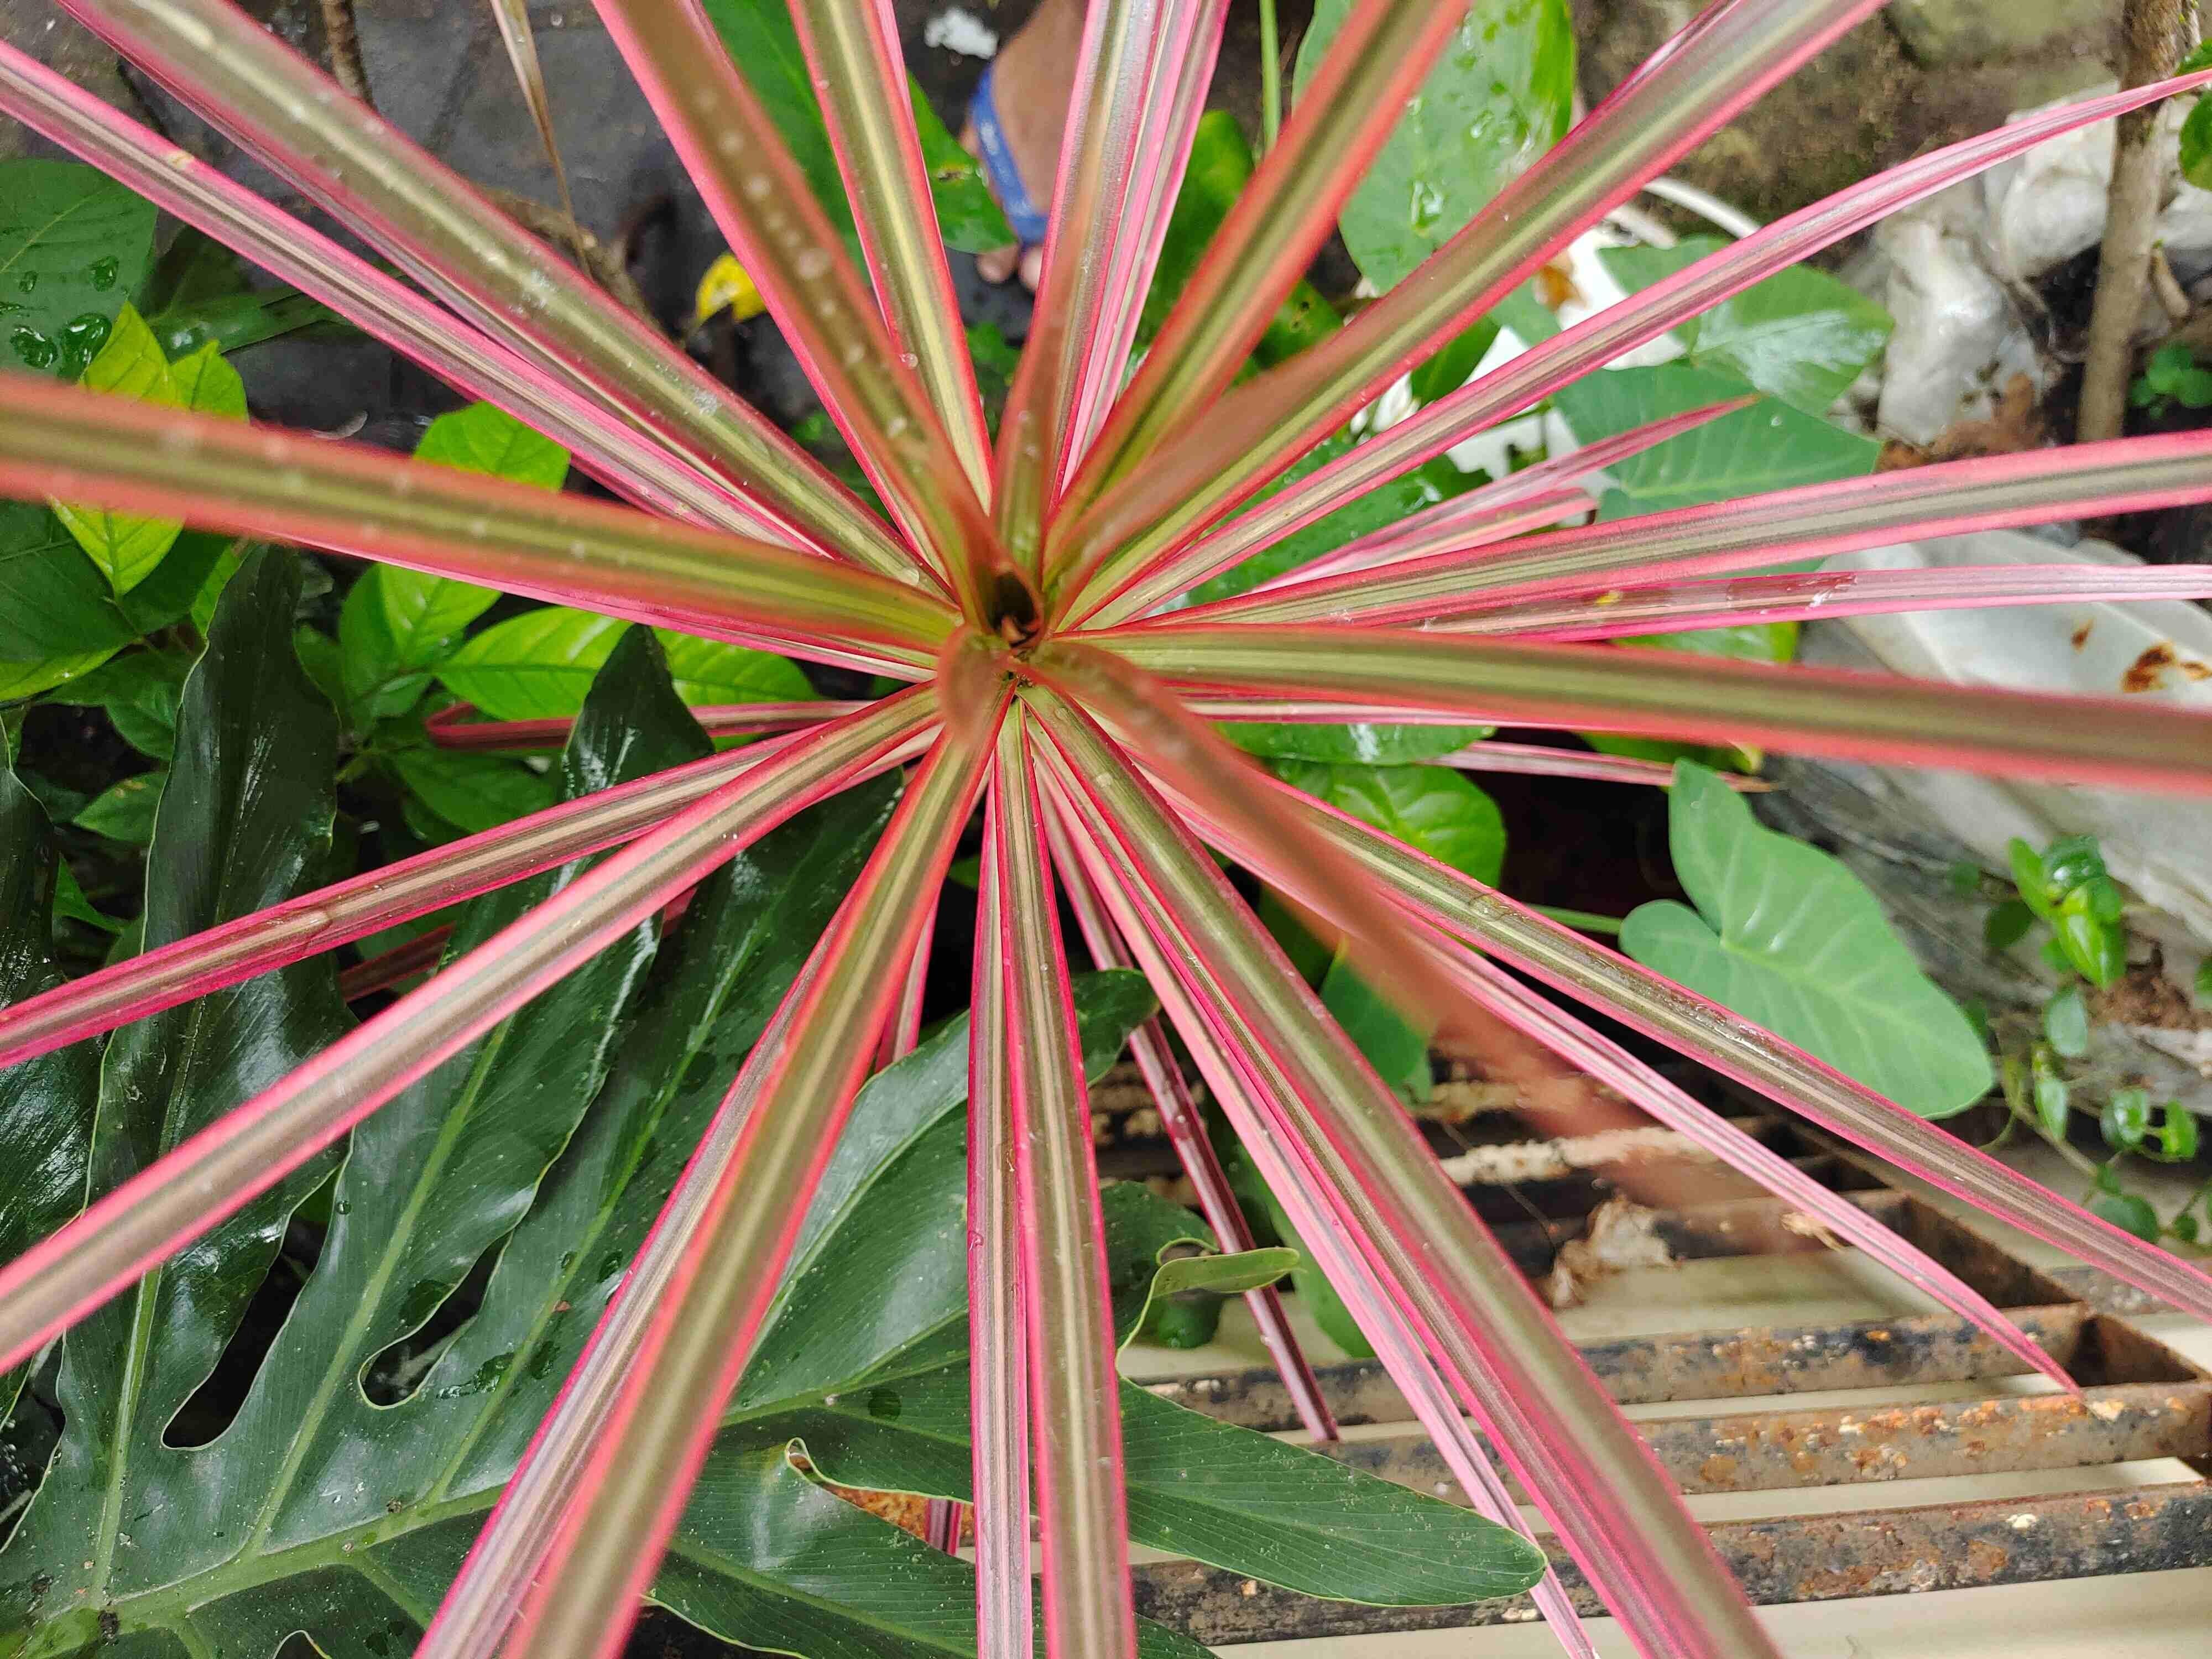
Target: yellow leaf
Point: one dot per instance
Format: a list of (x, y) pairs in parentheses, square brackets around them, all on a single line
[(725, 286)]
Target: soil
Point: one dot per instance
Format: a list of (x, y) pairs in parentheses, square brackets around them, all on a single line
[(1864, 104), (2147, 997)]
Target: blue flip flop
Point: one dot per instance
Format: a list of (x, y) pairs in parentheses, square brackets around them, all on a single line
[(1014, 199)]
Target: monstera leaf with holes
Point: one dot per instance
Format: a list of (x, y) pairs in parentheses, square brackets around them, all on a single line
[(46, 1103), (381, 1422)]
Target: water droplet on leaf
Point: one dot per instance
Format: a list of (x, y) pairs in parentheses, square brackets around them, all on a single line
[(33, 350)]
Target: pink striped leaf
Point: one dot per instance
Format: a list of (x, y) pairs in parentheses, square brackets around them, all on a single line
[(1593, 1479), (1075, 1420), (999, 1329), (211, 1175), (254, 481), (1737, 600), (1668, 694), (608, 447), (861, 75), (617, 1510), (435, 227), (1536, 374), (734, 153), (1393, 1333), (1737, 1048), (1226, 450), (1284, 213), (1817, 521)]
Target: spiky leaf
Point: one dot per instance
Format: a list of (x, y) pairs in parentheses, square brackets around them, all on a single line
[(1369, 744), (862, 1364), (278, 1517)]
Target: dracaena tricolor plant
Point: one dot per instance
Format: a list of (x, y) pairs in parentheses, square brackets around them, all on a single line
[(1026, 594)]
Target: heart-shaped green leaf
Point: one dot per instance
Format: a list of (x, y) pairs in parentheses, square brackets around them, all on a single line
[(714, 671), (1785, 935), (484, 438), (1435, 809)]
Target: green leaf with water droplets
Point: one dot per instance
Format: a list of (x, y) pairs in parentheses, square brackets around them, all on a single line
[(1501, 93), (968, 216), (74, 245), (1221, 164), (26, 679)]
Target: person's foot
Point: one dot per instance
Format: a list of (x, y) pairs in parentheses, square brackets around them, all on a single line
[(1015, 124)]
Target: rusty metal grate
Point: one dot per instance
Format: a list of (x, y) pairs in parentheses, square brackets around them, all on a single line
[(2140, 1401)]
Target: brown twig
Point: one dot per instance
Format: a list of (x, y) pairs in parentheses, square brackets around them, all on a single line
[(344, 42), (513, 17), (601, 264), (2155, 36), (2167, 287)]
